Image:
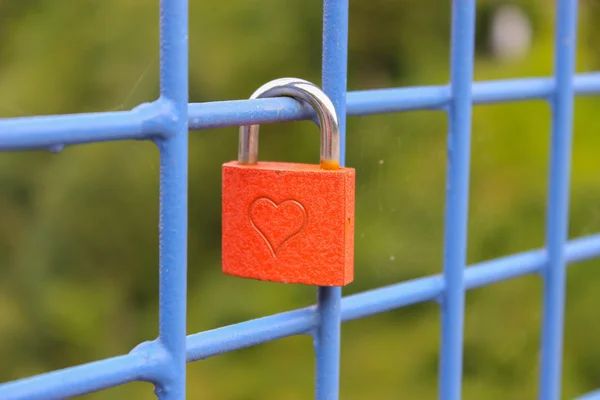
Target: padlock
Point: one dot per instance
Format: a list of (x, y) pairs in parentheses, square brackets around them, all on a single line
[(290, 222)]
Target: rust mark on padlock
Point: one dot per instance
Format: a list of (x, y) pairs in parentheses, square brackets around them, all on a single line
[(290, 222)]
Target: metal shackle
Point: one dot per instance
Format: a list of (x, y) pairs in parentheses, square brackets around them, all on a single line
[(313, 95)]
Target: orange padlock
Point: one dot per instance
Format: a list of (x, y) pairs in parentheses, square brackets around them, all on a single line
[(290, 222)]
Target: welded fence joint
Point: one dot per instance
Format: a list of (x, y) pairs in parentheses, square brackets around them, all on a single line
[(157, 361), (157, 119)]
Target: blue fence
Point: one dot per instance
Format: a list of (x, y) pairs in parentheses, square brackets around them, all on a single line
[(166, 122)]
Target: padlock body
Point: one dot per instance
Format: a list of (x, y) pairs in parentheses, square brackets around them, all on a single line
[(288, 222)]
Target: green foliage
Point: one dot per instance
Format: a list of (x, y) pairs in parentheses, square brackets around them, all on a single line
[(79, 242)]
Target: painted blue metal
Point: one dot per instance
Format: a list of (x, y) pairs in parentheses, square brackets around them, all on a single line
[(557, 219), (146, 121), (457, 198), (166, 122), (595, 395), (250, 333), (171, 384), (143, 122), (334, 71), (86, 378)]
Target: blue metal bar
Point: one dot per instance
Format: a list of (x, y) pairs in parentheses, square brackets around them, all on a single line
[(327, 338), (557, 217), (82, 379), (457, 198), (233, 337), (334, 72), (147, 120), (222, 340), (595, 395), (249, 333), (46, 131), (221, 114), (173, 197)]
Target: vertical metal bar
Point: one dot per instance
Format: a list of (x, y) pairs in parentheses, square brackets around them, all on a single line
[(327, 343), (335, 61), (457, 198), (334, 72), (557, 217), (173, 196)]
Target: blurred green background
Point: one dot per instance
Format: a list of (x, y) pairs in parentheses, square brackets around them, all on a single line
[(78, 239)]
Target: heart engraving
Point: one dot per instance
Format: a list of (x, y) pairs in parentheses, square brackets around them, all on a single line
[(277, 223)]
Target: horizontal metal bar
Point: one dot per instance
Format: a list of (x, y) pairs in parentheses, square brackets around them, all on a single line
[(81, 379), (37, 132), (221, 114), (147, 120), (143, 363), (233, 337), (249, 333), (595, 395)]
